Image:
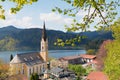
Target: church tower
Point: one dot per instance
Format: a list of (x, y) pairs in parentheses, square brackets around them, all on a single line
[(44, 45)]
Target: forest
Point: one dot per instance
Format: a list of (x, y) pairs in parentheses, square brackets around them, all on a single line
[(12, 38)]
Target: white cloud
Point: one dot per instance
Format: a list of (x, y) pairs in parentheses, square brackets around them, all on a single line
[(53, 17), (11, 19), (82, 13), (55, 20), (50, 16)]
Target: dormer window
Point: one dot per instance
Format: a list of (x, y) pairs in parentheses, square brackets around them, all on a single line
[(31, 57), (25, 59)]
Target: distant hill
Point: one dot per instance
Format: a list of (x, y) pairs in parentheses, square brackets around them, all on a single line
[(29, 39)]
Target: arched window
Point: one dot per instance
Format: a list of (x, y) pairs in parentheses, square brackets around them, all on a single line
[(43, 68), (40, 68), (37, 69), (30, 71), (23, 71), (33, 69)]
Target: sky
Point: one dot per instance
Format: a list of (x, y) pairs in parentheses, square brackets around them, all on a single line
[(33, 16)]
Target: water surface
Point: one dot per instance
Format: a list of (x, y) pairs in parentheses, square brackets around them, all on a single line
[(5, 55)]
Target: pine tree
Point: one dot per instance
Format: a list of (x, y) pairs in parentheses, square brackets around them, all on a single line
[(11, 57)]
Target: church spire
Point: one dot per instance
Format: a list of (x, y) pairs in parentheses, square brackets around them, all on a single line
[(44, 35)]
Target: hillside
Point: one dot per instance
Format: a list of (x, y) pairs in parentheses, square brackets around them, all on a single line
[(29, 39)]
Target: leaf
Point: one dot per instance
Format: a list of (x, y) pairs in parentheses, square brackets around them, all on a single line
[(2, 17), (101, 1), (68, 1), (53, 10)]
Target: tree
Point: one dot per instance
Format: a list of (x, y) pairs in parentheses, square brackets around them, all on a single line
[(8, 43), (91, 52), (34, 76), (4, 69), (112, 61), (101, 9), (19, 5), (102, 54), (11, 57), (95, 8), (78, 69)]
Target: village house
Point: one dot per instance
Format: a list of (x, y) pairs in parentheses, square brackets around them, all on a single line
[(97, 76), (87, 58), (29, 63), (83, 59)]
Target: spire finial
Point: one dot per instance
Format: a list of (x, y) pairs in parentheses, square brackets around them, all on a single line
[(44, 36)]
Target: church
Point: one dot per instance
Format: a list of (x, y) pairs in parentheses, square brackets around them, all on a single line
[(29, 63)]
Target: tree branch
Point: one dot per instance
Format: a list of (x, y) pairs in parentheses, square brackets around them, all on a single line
[(89, 11), (102, 16), (90, 17)]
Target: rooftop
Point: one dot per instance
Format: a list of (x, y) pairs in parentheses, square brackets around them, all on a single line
[(56, 70), (78, 56), (28, 58), (97, 76), (88, 56), (70, 57)]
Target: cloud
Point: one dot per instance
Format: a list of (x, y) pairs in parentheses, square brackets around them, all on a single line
[(11, 19), (55, 20), (53, 17), (50, 16), (82, 13)]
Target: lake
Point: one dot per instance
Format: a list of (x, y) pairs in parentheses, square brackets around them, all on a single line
[(5, 55)]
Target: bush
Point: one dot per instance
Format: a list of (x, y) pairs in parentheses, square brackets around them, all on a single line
[(34, 76)]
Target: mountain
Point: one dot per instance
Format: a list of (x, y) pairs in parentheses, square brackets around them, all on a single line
[(29, 39), (8, 31)]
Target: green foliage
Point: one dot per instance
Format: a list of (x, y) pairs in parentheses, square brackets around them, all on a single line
[(89, 69), (29, 39), (95, 43), (116, 30), (34, 76), (102, 9), (78, 69), (69, 42), (4, 68), (19, 4), (112, 61), (8, 43), (95, 8), (11, 57), (91, 52)]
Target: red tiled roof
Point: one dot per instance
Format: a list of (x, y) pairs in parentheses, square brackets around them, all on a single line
[(70, 57), (97, 76), (87, 56), (77, 56)]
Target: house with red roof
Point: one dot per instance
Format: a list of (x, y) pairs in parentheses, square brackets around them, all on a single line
[(87, 58), (97, 76), (83, 59)]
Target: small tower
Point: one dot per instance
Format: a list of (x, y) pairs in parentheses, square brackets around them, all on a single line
[(44, 45)]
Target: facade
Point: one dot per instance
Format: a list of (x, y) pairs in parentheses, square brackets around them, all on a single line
[(60, 63), (28, 63), (87, 58), (72, 59), (76, 59)]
